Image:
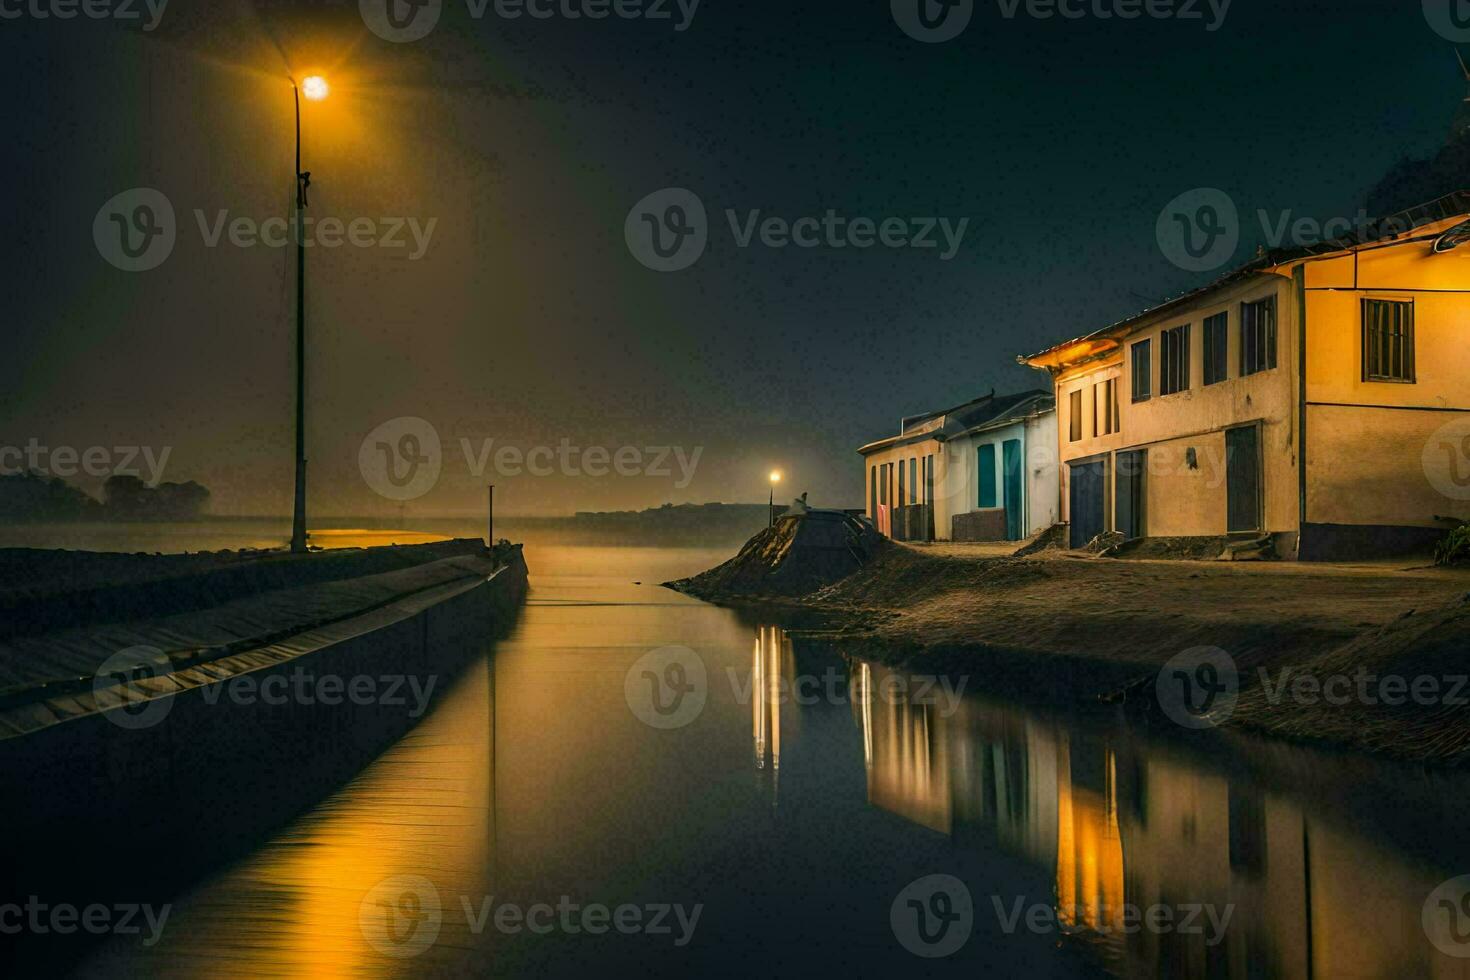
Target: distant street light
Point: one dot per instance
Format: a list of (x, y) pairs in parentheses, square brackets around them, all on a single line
[(315, 88), (775, 479)]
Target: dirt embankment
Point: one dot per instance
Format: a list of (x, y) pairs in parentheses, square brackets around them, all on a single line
[(1061, 627)]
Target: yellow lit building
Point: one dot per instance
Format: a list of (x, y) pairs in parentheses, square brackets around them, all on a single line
[(1317, 396)]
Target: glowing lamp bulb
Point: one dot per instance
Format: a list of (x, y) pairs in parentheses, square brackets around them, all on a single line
[(314, 88), (775, 476)]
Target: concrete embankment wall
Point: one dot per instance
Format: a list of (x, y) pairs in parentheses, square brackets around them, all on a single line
[(96, 808)]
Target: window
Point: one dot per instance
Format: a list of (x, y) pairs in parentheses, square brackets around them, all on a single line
[(1388, 340), (1143, 371), (1257, 336), (873, 491), (1076, 412), (1217, 348), (1174, 360), (899, 501), (914, 480), (1105, 407), (986, 470)]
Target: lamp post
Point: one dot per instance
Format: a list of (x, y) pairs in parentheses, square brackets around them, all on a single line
[(775, 479), (314, 88)]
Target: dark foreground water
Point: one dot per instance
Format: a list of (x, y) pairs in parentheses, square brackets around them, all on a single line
[(636, 781)]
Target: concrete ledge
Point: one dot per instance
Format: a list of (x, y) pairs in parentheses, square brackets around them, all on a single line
[(1349, 542)]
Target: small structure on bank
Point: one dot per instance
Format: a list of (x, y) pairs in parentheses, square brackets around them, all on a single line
[(799, 554), (982, 471)]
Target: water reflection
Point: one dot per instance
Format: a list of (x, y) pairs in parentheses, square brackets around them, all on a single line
[(772, 679), (532, 780), (1120, 823)]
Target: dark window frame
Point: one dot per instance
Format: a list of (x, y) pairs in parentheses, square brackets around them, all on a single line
[(1174, 372), (1382, 345), (1217, 348), (1258, 336), (1143, 382)]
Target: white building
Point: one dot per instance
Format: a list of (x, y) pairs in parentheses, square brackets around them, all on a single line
[(982, 471)]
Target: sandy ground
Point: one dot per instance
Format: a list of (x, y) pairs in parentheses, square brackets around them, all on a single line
[(1067, 626)]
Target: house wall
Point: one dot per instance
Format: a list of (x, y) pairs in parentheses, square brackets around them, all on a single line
[(917, 450), (959, 492), (1384, 459), (1181, 498)]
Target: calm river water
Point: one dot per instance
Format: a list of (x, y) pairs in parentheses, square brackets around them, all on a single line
[(559, 813)]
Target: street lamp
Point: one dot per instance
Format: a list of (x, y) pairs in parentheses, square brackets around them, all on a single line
[(315, 88), (775, 479)]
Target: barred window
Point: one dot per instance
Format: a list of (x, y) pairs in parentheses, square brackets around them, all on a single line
[(1142, 371), (1257, 336), (1217, 342), (1388, 340), (1174, 360)]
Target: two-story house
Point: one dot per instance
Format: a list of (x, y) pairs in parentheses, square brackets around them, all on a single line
[(1317, 395)]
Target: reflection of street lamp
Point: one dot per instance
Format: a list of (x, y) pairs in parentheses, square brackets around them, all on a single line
[(314, 88), (775, 479)]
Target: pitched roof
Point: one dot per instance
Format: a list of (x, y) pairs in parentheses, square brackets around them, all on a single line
[(969, 417), (1403, 223)]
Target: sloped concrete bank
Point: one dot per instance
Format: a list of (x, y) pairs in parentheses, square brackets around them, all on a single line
[(137, 780)]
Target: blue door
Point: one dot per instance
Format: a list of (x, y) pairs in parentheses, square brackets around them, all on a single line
[(1015, 499)]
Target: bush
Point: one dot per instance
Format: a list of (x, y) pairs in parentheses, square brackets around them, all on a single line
[(1455, 548)]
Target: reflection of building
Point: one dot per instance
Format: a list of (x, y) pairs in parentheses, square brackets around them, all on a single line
[(1118, 825), (772, 674)]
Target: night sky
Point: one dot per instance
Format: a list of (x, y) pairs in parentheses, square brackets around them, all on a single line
[(528, 320)]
